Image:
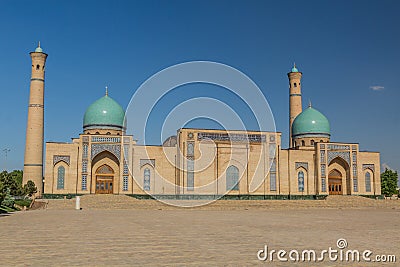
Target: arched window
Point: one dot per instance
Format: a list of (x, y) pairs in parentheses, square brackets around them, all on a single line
[(303, 143), (146, 180), (312, 142), (295, 85), (321, 141), (367, 182), (60, 177), (300, 180), (232, 178), (37, 67)]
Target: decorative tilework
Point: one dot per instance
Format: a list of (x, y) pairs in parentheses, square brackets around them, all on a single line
[(84, 182), (341, 154), (354, 170), (85, 139), (190, 175), (272, 138), (125, 183), (302, 164), (323, 184), (273, 165), (322, 146), (84, 166), (322, 156), (272, 150), (256, 138), (126, 169), (151, 162), (338, 147), (190, 149), (113, 149), (58, 158), (100, 139), (323, 170), (355, 184), (354, 154), (85, 150), (368, 166), (272, 181), (126, 152)]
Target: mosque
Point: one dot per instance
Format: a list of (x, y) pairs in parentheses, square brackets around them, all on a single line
[(195, 162)]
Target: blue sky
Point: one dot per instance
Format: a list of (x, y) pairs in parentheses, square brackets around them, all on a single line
[(345, 49)]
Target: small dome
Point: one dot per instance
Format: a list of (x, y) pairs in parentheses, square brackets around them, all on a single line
[(294, 69), (310, 122), (39, 49), (104, 113)]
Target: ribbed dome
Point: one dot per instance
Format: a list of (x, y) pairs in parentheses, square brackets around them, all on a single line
[(104, 113), (309, 122)]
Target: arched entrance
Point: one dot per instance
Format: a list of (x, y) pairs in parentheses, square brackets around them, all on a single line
[(335, 183), (104, 179)]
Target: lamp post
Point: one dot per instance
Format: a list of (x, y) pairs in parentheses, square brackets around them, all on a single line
[(5, 150)]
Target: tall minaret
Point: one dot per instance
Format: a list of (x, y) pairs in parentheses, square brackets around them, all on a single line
[(295, 107), (33, 163)]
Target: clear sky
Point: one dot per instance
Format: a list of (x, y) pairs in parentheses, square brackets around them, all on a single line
[(348, 52)]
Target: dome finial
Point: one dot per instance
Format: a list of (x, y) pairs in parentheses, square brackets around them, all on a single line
[(294, 69), (309, 103), (106, 90), (39, 49)]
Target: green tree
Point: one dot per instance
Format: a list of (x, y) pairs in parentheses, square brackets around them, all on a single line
[(12, 181), (389, 182), (30, 188), (2, 194), (8, 200)]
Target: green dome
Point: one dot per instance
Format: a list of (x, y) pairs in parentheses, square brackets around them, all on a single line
[(104, 113), (310, 122)]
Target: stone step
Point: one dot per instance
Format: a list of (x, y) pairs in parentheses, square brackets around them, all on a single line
[(107, 202)]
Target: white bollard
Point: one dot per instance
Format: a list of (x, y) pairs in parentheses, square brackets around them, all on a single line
[(78, 203)]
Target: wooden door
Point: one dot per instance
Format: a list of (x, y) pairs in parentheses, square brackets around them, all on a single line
[(335, 183)]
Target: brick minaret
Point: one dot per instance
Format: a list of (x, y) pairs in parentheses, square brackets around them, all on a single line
[(33, 162), (295, 107)]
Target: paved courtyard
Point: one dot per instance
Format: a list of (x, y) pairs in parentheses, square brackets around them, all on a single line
[(152, 234)]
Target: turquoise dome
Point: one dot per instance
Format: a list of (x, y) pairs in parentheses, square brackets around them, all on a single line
[(104, 113), (294, 69), (310, 122)]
